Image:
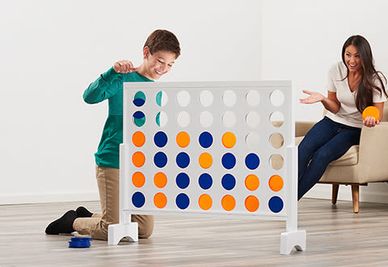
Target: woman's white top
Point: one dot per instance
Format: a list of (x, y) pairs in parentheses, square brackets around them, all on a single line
[(348, 113)]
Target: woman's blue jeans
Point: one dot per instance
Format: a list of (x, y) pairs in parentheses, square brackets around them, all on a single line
[(326, 141)]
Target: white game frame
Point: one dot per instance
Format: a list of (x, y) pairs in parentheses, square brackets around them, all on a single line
[(292, 238)]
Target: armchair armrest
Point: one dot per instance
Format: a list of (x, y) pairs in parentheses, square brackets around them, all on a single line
[(373, 153), (302, 127)]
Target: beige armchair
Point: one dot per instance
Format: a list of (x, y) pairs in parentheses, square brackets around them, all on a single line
[(360, 165)]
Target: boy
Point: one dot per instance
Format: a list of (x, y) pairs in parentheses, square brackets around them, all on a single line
[(160, 51)]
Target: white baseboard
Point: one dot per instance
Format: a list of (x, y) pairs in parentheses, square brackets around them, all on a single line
[(376, 192), (45, 198), (323, 191)]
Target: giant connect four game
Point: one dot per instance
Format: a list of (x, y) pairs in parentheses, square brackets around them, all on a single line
[(223, 148)]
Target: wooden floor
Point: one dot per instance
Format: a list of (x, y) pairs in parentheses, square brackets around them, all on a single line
[(335, 237)]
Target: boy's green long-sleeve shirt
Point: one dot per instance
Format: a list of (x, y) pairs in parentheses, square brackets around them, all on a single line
[(110, 86)]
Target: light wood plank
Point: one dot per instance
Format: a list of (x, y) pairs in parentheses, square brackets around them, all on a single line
[(335, 237)]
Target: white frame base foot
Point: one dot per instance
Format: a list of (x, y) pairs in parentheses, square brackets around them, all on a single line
[(290, 240), (116, 232)]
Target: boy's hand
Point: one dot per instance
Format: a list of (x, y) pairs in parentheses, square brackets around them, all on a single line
[(123, 66)]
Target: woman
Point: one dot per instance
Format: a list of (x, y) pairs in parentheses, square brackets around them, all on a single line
[(354, 84)]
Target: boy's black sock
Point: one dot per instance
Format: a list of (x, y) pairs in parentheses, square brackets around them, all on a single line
[(83, 212), (63, 224)]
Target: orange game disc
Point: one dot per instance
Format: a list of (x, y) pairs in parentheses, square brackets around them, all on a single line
[(371, 111)]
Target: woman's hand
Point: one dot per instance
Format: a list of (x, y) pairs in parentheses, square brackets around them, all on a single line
[(370, 121), (123, 66), (313, 97)]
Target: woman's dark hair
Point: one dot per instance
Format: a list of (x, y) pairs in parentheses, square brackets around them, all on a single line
[(163, 40), (369, 74)]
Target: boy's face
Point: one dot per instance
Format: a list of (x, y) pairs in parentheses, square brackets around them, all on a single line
[(158, 63)]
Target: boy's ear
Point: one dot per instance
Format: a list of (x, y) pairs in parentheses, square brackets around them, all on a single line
[(146, 52)]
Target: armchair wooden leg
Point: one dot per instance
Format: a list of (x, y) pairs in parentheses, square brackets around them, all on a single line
[(334, 194), (355, 197)]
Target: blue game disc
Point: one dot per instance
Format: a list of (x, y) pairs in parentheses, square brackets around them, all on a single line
[(205, 139), (80, 242), (205, 181)]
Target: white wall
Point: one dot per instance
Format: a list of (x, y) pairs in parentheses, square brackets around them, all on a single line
[(303, 38), (50, 52)]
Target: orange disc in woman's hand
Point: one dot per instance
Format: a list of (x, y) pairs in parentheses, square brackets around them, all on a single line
[(371, 111)]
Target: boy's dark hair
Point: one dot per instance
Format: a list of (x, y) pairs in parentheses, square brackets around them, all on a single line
[(163, 40)]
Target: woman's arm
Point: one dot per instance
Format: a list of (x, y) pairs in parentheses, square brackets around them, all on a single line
[(380, 106), (330, 102)]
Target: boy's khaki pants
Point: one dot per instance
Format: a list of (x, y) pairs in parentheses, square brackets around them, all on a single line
[(97, 225)]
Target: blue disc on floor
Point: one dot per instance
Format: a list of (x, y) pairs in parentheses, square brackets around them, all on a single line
[(79, 242)]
